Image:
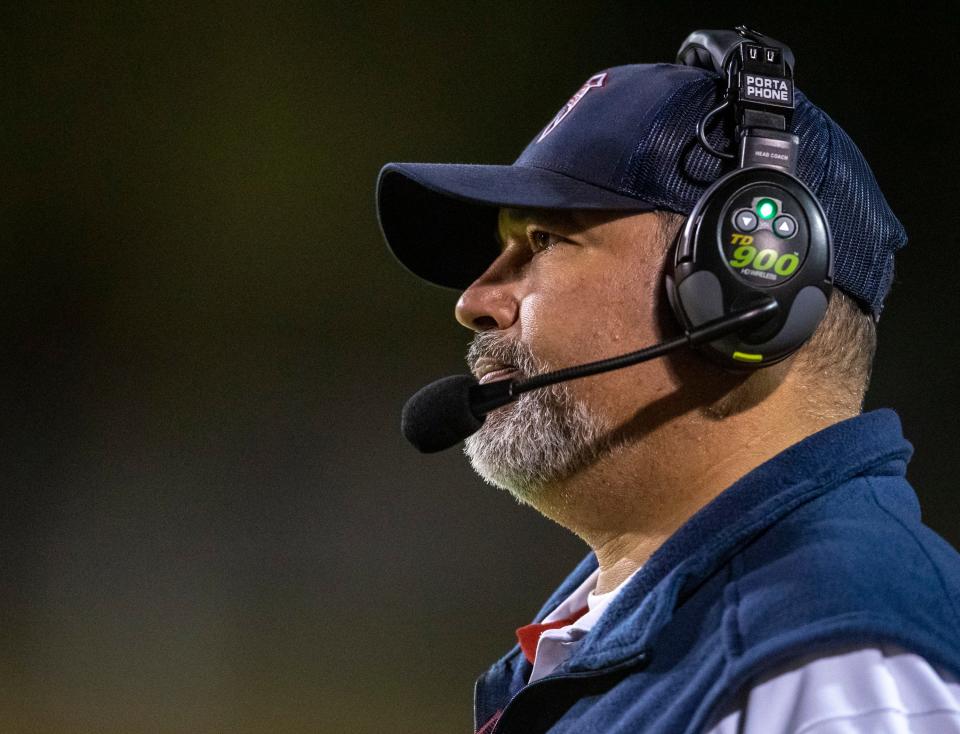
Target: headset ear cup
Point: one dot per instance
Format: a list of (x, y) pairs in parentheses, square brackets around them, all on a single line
[(671, 289), (719, 266)]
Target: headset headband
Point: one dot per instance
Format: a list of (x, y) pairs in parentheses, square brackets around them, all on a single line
[(759, 77)]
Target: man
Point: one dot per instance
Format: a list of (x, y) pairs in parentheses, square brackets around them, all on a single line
[(757, 563)]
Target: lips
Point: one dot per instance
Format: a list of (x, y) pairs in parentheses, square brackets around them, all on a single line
[(488, 369), (497, 375)]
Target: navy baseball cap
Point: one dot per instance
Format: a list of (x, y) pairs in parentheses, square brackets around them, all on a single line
[(627, 141)]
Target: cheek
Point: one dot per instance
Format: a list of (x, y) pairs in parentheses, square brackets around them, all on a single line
[(597, 315), (578, 316)]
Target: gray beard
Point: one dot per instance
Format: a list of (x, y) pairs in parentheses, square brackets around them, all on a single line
[(544, 436)]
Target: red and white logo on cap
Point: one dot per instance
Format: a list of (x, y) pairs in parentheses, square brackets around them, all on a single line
[(596, 80)]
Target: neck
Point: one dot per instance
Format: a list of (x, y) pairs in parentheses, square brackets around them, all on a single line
[(627, 504)]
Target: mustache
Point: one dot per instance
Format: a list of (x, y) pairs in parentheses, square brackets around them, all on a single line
[(492, 345)]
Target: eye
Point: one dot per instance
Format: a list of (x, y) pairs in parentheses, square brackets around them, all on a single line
[(541, 240)]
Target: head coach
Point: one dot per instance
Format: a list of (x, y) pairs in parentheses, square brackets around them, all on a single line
[(758, 561)]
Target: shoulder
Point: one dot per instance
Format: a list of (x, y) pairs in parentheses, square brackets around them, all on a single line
[(850, 689), (859, 549), (855, 565)]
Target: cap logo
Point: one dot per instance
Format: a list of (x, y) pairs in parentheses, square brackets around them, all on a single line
[(597, 80)]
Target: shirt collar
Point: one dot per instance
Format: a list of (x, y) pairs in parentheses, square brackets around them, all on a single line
[(579, 611)]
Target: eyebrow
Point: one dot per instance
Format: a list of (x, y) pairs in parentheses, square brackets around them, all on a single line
[(564, 219)]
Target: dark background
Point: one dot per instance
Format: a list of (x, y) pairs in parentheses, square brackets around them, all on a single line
[(210, 521)]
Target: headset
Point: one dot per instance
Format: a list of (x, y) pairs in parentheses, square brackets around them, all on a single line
[(750, 272), (757, 231)]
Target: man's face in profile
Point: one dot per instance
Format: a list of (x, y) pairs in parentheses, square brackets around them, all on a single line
[(568, 287)]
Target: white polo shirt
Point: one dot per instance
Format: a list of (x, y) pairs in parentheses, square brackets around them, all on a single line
[(857, 689)]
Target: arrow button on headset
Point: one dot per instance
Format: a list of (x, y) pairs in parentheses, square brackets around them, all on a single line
[(785, 226), (745, 220)]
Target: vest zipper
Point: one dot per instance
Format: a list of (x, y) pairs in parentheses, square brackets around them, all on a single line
[(642, 659)]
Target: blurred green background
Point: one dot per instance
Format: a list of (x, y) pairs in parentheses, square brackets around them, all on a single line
[(210, 520)]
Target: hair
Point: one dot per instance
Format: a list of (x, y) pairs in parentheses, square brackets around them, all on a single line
[(831, 370)]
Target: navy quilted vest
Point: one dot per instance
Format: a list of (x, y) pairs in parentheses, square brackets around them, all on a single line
[(821, 545)]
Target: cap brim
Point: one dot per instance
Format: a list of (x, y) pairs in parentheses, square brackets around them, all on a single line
[(439, 219)]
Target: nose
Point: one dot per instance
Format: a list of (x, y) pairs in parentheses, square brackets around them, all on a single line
[(491, 301)]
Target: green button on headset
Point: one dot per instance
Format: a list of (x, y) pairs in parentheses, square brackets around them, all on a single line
[(766, 208)]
